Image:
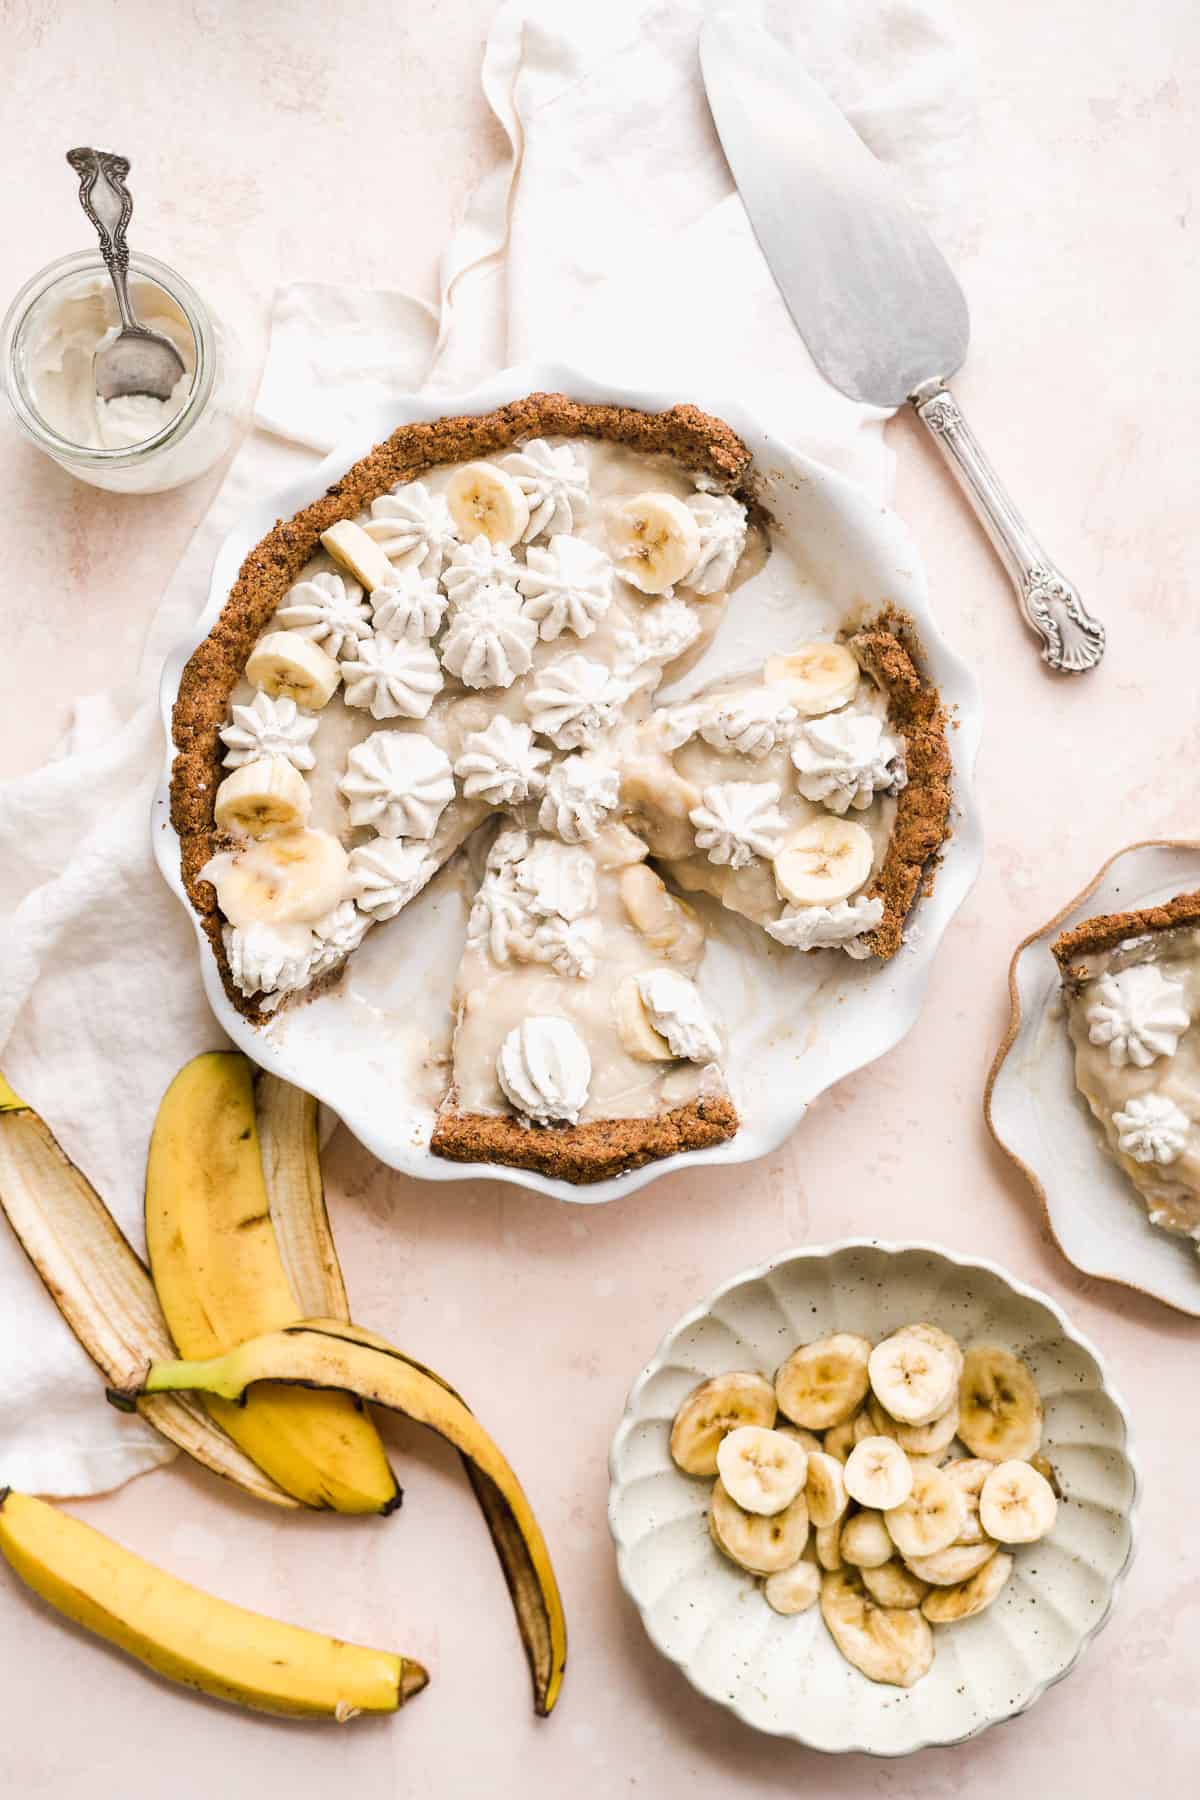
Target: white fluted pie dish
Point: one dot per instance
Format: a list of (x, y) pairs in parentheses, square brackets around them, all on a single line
[(784, 1675)]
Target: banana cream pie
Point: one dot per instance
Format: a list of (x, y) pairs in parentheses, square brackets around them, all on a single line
[(459, 645), (1131, 983)]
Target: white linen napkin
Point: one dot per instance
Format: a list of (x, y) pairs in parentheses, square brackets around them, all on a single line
[(610, 236)]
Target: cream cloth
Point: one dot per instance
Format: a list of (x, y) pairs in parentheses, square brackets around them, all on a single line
[(611, 237)]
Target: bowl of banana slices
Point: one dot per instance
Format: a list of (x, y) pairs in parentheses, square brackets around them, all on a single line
[(873, 1496)]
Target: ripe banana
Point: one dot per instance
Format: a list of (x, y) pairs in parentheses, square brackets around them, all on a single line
[(190, 1636), (327, 1353), (267, 794), (793, 1590), (913, 1379), (655, 541), (889, 1644), (487, 501), (762, 1545), (220, 1278), (824, 1486), (947, 1604), (1000, 1411), (102, 1289), (891, 1584), (823, 862), (712, 1409), (947, 1568), (968, 1473), (932, 1516), (865, 1542), (291, 1166), (877, 1473), (760, 1469), (916, 1440), (817, 678), (823, 1383), (1017, 1504), (352, 548), (290, 666)]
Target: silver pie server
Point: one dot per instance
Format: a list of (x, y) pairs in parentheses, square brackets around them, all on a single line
[(871, 294), (138, 361)]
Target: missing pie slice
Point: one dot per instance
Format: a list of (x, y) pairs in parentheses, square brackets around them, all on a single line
[(468, 632), (1131, 984)]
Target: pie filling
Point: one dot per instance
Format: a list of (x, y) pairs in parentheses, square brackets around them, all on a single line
[(477, 651), (1133, 1014)]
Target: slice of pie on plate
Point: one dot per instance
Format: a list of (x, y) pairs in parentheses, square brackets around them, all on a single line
[(1131, 984), (465, 636)]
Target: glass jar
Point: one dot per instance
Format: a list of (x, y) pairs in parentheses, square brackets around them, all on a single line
[(47, 340)]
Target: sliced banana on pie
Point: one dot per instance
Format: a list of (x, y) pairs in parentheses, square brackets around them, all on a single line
[(352, 548), (756, 1542), (930, 1518), (290, 666), (267, 794), (714, 1408), (291, 879), (889, 1644), (1000, 1412), (762, 1470), (817, 678), (823, 862), (793, 1590), (877, 1473), (486, 501), (638, 1036), (913, 1380), (655, 541), (823, 1383), (668, 924), (946, 1605), (1016, 1504)]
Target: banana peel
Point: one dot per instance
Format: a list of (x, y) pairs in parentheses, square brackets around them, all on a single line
[(191, 1636), (328, 1353)]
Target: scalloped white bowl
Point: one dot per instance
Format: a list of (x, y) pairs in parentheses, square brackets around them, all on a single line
[(784, 1675), (797, 1024)]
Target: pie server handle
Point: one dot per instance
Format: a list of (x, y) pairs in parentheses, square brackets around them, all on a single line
[(1072, 640)]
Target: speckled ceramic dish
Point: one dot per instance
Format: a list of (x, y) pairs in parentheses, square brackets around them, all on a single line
[(1039, 1118), (784, 1675)]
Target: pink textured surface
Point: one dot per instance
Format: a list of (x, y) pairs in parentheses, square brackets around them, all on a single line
[(1085, 286)]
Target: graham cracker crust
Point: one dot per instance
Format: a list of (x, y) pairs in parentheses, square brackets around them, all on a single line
[(1106, 930), (583, 1153)]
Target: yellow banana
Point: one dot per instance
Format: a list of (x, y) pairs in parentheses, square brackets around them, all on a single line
[(190, 1636), (327, 1353), (220, 1278)]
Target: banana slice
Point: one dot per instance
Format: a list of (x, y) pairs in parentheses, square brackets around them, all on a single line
[(916, 1440), (292, 879), (761, 1545), (889, 1644), (933, 1334), (808, 1440), (262, 796), (351, 547), (1016, 1504), (655, 541), (712, 1409), (1045, 1467), (945, 1605), (793, 1590), (912, 1379), (634, 1029), (968, 1473), (827, 1540), (669, 925), (823, 862), (877, 1474), (891, 1584), (824, 1487), (817, 677), (823, 1383), (841, 1439), (1000, 1413), (762, 1470), (931, 1517), (947, 1568), (485, 501), (865, 1541), (290, 666)]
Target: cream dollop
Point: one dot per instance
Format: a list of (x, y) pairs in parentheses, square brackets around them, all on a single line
[(387, 873), (337, 934), (581, 791), (568, 945), (750, 723), (1139, 1013), (1152, 1129), (411, 607), (270, 727), (738, 821), (413, 528), (329, 610), (489, 641), (545, 1070), (399, 782), (664, 631), (838, 927), (558, 878), (476, 565), (676, 1011), (574, 702), (501, 764), (500, 917), (722, 522), (844, 759), (567, 585), (268, 959), (392, 678), (554, 483)]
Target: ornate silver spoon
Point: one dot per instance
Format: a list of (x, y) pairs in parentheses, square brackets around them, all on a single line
[(138, 361)]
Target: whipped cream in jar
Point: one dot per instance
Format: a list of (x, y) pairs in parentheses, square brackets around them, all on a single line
[(134, 444)]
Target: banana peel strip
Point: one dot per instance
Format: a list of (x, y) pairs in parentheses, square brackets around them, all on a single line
[(291, 1164)]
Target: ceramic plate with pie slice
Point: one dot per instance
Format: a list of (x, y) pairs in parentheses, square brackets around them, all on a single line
[(1041, 1120), (505, 1010)]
